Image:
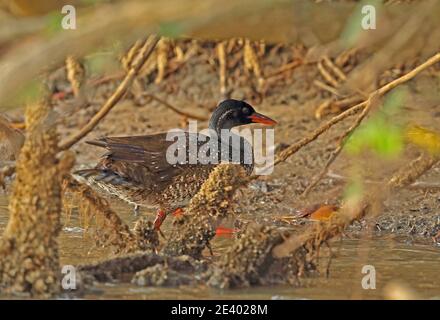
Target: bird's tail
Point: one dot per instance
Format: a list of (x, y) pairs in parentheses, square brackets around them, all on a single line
[(94, 175)]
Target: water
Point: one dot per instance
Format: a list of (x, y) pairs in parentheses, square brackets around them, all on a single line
[(411, 269)]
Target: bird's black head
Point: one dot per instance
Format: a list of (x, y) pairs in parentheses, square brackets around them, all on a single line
[(232, 113)]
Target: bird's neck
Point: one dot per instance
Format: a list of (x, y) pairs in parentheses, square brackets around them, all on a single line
[(221, 121), (238, 150)]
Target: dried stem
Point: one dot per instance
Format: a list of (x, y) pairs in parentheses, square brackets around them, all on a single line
[(337, 151)]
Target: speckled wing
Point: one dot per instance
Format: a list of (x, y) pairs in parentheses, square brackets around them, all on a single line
[(141, 159)]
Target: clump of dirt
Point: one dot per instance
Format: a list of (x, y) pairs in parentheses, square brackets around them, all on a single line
[(160, 276), (188, 271), (250, 261)]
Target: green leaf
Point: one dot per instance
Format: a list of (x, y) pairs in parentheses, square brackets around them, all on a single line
[(53, 25), (379, 135), (170, 29)]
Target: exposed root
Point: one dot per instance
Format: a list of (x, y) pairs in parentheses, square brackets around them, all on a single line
[(185, 114), (332, 106), (146, 235), (112, 230), (342, 140), (205, 211), (327, 75), (252, 64), (29, 247), (161, 276), (263, 255), (5, 172), (75, 74), (292, 149), (162, 59), (250, 261), (409, 173), (222, 66)]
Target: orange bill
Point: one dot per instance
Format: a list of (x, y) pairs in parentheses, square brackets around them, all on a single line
[(261, 118)]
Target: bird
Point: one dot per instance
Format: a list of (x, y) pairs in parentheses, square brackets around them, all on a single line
[(137, 169)]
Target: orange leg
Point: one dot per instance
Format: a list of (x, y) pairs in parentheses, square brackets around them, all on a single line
[(160, 217)]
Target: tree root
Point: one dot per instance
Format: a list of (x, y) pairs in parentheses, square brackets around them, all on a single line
[(29, 260), (205, 211), (112, 230)]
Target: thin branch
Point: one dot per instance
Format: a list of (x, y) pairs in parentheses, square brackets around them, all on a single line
[(292, 149), (337, 151), (120, 91)]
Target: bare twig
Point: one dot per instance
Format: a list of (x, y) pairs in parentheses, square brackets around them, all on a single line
[(337, 151), (327, 76), (292, 149), (120, 91), (326, 87), (288, 66), (338, 72)]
